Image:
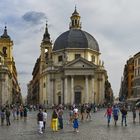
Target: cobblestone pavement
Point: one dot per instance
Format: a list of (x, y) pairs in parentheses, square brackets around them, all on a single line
[(96, 129)]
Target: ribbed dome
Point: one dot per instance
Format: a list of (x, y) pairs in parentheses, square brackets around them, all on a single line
[(75, 38)]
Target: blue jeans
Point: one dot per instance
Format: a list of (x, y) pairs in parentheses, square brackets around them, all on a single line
[(124, 119), (60, 123), (108, 118)]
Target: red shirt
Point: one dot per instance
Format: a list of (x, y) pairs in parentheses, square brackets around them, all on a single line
[(109, 111)]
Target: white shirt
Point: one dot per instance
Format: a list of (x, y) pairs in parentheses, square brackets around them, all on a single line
[(44, 116), (75, 110)]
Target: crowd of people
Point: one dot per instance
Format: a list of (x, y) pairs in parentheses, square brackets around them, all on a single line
[(57, 117), (76, 113), (17, 111), (116, 110), (83, 113)]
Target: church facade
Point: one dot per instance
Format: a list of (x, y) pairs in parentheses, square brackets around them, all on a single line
[(70, 70)]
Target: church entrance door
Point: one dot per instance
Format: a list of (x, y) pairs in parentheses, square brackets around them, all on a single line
[(59, 99), (77, 98)]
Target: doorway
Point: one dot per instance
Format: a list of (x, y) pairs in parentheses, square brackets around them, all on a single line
[(77, 98), (59, 99)]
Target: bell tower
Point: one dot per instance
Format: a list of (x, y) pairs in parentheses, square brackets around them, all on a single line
[(75, 20), (12, 86), (46, 48), (6, 47)]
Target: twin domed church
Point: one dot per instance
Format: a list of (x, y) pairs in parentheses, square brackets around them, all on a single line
[(70, 70)]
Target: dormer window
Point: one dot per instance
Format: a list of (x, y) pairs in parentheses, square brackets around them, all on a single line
[(77, 56)]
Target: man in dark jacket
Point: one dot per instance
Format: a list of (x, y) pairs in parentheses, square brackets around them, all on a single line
[(7, 113), (124, 114)]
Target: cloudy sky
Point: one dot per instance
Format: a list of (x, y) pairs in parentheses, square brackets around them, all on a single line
[(114, 23)]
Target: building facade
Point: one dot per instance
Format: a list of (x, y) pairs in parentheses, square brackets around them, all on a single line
[(130, 83), (70, 71), (136, 87), (126, 90), (9, 86), (5, 83)]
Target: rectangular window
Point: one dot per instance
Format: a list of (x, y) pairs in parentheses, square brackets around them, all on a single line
[(138, 71), (60, 58), (139, 61), (135, 62), (93, 58), (135, 72), (44, 85), (77, 56)]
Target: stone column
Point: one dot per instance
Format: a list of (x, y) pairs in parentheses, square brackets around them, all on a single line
[(72, 90), (51, 93), (49, 90), (99, 88), (62, 90), (86, 90), (92, 86), (66, 90), (54, 95)]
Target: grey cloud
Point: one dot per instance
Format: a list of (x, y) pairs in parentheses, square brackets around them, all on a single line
[(34, 17), (115, 25)]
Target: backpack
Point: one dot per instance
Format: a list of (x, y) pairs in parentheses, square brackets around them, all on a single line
[(7, 113)]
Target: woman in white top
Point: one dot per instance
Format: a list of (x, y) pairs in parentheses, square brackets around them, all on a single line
[(44, 118)]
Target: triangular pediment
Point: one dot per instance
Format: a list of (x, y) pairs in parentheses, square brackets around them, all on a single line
[(80, 63)]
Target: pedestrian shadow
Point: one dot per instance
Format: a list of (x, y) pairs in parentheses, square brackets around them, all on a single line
[(31, 132), (59, 132)]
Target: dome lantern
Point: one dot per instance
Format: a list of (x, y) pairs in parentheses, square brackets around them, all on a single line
[(75, 20)]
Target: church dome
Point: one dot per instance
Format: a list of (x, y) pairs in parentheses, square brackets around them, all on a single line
[(76, 38)]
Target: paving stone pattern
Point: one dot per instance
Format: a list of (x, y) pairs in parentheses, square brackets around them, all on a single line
[(96, 129)]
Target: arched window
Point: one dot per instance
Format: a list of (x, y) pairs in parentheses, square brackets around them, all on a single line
[(4, 50), (72, 22), (46, 50)]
